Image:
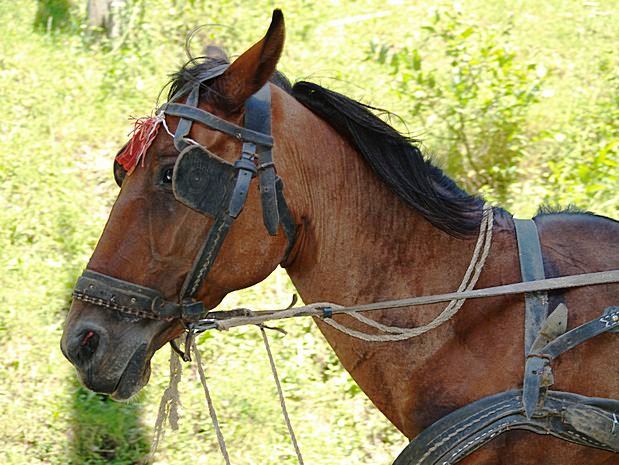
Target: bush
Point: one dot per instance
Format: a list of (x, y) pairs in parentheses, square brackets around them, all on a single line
[(471, 93), (53, 15), (583, 167)]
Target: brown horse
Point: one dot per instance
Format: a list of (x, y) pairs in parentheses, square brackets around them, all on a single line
[(375, 222)]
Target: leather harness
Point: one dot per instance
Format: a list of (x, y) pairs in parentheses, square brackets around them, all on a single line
[(213, 187), (588, 421), (218, 189)]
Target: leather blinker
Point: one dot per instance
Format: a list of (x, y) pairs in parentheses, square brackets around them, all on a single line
[(203, 181)]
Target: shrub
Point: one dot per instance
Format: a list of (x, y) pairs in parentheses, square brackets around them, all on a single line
[(471, 93)]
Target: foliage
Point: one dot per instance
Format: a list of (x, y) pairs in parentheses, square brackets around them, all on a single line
[(584, 165), (470, 93), (53, 15)]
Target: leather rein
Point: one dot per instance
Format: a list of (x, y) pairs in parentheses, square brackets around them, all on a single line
[(256, 160)]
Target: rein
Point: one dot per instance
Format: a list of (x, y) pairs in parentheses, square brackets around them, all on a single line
[(225, 320)]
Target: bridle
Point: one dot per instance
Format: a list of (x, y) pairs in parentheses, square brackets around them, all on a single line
[(212, 186)]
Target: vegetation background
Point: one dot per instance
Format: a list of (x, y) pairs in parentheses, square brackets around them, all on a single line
[(518, 100)]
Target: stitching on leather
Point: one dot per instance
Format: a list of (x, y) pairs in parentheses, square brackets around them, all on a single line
[(207, 261), (119, 308), (501, 406)]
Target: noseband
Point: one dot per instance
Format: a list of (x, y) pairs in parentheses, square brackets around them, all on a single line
[(212, 186)]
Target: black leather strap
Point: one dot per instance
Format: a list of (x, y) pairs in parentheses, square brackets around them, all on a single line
[(258, 118), (246, 170), (287, 221), (186, 111), (132, 299), (583, 420), (606, 323), (531, 269), (184, 125), (205, 259)]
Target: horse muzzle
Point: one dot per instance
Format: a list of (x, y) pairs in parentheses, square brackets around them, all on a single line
[(110, 357)]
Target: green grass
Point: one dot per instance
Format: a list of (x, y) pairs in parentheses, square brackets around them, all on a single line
[(66, 102)]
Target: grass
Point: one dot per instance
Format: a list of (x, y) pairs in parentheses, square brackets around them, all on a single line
[(66, 99)]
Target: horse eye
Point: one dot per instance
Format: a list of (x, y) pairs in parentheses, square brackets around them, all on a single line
[(166, 175)]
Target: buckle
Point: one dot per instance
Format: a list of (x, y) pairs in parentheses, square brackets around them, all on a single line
[(191, 310), (246, 164)]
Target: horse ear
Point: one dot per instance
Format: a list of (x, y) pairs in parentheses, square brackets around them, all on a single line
[(249, 72)]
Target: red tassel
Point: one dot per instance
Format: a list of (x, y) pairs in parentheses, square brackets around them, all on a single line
[(144, 133)]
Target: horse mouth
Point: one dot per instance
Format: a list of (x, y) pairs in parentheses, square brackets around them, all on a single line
[(135, 375)]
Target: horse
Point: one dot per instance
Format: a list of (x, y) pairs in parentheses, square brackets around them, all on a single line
[(373, 220)]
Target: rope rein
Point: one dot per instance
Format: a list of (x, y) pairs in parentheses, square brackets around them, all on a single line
[(282, 399), (209, 402), (396, 333), (168, 406)]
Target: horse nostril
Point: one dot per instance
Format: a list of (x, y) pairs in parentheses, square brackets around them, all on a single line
[(89, 341), (87, 337)]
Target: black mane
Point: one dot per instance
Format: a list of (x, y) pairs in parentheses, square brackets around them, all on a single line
[(396, 160)]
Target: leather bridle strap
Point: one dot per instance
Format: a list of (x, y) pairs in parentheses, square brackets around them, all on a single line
[(132, 299), (257, 121), (256, 159), (189, 112)]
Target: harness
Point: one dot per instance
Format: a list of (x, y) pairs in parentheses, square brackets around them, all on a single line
[(588, 421), (214, 187), (218, 189)]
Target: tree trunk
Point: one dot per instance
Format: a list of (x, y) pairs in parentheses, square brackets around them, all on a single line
[(105, 14)]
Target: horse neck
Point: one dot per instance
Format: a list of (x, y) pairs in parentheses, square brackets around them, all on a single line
[(359, 242)]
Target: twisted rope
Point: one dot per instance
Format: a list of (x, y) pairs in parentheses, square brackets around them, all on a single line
[(394, 333), (168, 406), (209, 402), (282, 400), (471, 276)]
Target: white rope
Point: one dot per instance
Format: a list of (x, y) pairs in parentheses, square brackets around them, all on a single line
[(209, 402), (161, 119), (168, 406), (323, 309), (396, 333), (251, 319), (282, 400)]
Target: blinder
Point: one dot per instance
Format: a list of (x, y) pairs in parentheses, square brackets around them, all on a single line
[(212, 186), (203, 181)]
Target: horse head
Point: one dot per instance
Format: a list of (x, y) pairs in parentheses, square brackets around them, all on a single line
[(161, 260)]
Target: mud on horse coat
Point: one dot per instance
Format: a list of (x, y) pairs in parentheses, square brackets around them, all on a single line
[(373, 221)]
